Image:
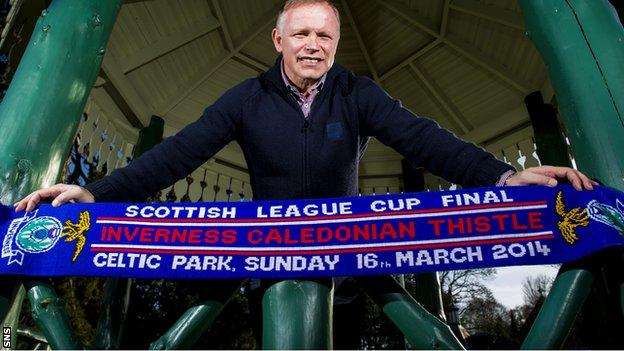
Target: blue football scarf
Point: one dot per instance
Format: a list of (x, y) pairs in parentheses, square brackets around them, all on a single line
[(368, 235)]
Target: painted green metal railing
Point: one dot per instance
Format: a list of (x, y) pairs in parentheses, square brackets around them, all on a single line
[(38, 120), (37, 125), (582, 43)]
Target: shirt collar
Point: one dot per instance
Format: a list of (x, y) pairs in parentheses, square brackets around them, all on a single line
[(292, 88)]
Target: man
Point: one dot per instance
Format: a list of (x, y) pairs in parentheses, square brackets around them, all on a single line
[(303, 126)]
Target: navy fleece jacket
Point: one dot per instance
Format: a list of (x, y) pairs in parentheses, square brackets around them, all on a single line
[(290, 157)]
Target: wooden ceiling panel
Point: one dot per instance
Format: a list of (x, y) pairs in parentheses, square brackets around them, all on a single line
[(146, 24), (242, 16), (183, 114), (403, 87), (467, 86), (149, 82), (389, 39), (167, 17), (231, 74), (126, 35), (165, 26), (204, 51), (354, 61), (526, 62), (502, 43), (163, 77), (488, 102), (430, 9), (349, 53), (261, 48), (377, 151), (193, 10), (414, 95), (504, 4)]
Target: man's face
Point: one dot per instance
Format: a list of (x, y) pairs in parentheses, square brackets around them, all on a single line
[(308, 41)]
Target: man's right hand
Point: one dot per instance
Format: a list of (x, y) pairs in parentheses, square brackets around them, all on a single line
[(59, 193)]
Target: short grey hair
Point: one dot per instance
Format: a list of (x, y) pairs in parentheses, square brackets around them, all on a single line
[(289, 4)]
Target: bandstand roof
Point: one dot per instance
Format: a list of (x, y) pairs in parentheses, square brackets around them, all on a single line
[(465, 63)]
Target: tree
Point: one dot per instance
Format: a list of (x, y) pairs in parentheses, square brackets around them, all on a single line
[(534, 292), (535, 288), (489, 320), (459, 286)]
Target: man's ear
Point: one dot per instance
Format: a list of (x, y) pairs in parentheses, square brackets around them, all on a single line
[(277, 40)]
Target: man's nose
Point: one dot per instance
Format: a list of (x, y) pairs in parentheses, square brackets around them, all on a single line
[(312, 43)]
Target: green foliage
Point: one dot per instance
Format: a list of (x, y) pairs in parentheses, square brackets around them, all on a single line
[(82, 301)]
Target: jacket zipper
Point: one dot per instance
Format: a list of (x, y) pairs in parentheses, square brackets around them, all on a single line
[(307, 127), (304, 131)]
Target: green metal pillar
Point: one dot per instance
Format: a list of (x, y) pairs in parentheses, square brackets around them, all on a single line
[(297, 314), (422, 329), (567, 294), (41, 111), (553, 323), (197, 319), (582, 43), (48, 311), (149, 136), (112, 314), (189, 327)]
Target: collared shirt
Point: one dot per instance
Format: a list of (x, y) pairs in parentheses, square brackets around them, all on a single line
[(305, 102)]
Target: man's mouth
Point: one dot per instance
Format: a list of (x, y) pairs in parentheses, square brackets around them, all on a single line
[(308, 59)]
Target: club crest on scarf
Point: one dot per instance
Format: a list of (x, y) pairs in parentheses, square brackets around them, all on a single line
[(34, 235)]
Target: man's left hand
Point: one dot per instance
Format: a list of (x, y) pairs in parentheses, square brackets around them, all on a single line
[(548, 175)]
